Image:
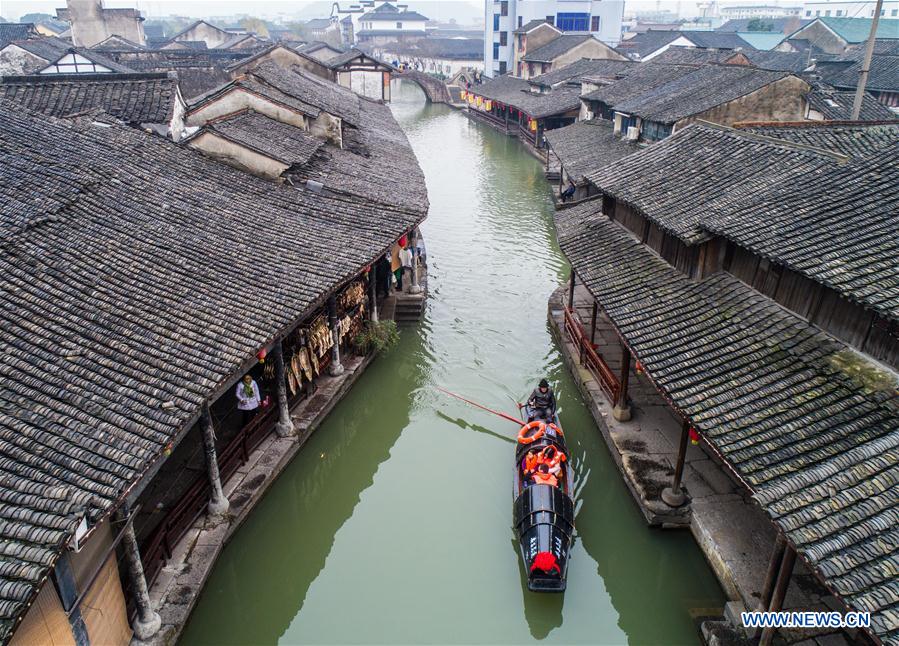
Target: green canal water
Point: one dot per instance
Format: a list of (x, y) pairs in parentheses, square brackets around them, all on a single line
[(393, 525)]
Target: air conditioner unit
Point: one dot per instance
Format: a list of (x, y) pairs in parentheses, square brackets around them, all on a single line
[(633, 133)]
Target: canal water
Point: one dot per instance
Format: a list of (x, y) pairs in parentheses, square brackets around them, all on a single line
[(393, 525)]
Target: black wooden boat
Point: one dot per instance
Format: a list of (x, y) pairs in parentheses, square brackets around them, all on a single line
[(544, 515)]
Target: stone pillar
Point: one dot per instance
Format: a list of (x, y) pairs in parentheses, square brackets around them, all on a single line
[(147, 621), (415, 288), (336, 367), (673, 496), (622, 410), (284, 427), (373, 295), (218, 504)]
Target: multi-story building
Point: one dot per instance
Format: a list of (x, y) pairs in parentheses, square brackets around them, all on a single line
[(758, 11), (376, 21), (850, 9), (601, 18)]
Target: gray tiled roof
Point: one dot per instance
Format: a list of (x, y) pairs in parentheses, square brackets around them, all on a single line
[(716, 39), (646, 43), (639, 81), (588, 146), (10, 31), (133, 98), (525, 28), (847, 138), (280, 141), (815, 440), (120, 314), (883, 75), (450, 48), (776, 24), (780, 61), (702, 89), (555, 48), (694, 56), (840, 229), (49, 49), (704, 169), (837, 106), (376, 162), (585, 67), (519, 94)]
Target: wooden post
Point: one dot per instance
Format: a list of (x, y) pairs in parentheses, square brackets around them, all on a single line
[(218, 504), (777, 555), (373, 295), (571, 290), (147, 621), (593, 324), (780, 592), (866, 63), (622, 410), (673, 496), (336, 367), (284, 427)]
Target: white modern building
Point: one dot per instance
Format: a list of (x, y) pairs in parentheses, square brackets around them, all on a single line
[(737, 12), (601, 18), (844, 9), (378, 21)]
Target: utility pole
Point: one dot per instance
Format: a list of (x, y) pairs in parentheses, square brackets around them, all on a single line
[(866, 63)]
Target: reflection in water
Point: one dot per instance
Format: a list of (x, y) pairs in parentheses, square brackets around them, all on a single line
[(393, 525)]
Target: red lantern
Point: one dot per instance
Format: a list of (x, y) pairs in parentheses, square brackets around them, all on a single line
[(694, 436), (639, 368), (402, 240), (261, 355)]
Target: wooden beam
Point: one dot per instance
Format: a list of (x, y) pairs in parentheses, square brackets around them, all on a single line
[(777, 555), (780, 592), (593, 324), (571, 289)]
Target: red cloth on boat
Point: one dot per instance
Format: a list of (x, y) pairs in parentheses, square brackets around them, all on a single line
[(547, 562)]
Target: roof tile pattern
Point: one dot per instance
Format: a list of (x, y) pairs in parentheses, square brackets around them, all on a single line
[(133, 286), (837, 106), (819, 449), (556, 47), (523, 96), (285, 143), (132, 98), (841, 230), (588, 146), (701, 169), (639, 81), (849, 139), (700, 90), (585, 67)]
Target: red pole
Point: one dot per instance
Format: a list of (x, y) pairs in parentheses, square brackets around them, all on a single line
[(489, 410)]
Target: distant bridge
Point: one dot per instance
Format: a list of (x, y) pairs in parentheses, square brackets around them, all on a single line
[(434, 88)]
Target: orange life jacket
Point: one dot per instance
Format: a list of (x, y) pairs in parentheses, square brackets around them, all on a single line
[(530, 463), (557, 458), (546, 478)]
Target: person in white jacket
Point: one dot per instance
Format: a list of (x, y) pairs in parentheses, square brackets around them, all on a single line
[(248, 399)]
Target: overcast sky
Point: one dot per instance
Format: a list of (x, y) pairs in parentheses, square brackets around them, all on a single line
[(436, 9)]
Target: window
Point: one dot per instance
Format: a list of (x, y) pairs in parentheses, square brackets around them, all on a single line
[(496, 51), (399, 25), (894, 12), (502, 67), (839, 12), (573, 21), (503, 38), (827, 12), (808, 13), (496, 22), (520, 20), (551, 20), (817, 12), (504, 8), (594, 23)]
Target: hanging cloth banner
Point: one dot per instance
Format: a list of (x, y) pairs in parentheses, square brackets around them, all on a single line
[(488, 105), (532, 124), (463, 94), (479, 101)]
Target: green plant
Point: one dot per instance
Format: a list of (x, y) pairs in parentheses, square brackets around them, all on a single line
[(377, 337)]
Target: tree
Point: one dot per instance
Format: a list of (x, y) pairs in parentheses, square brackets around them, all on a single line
[(255, 25), (757, 24)]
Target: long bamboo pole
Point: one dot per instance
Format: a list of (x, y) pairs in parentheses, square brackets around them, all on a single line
[(482, 407)]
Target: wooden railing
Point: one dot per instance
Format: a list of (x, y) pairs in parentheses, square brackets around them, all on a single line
[(591, 359), (157, 548)]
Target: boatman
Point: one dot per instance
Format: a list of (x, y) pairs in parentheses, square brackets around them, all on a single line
[(542, 402)]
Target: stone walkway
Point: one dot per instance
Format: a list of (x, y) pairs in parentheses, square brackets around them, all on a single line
[(179, 583), (733, 532)]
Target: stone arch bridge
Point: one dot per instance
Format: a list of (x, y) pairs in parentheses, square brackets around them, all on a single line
[(434, 88)]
